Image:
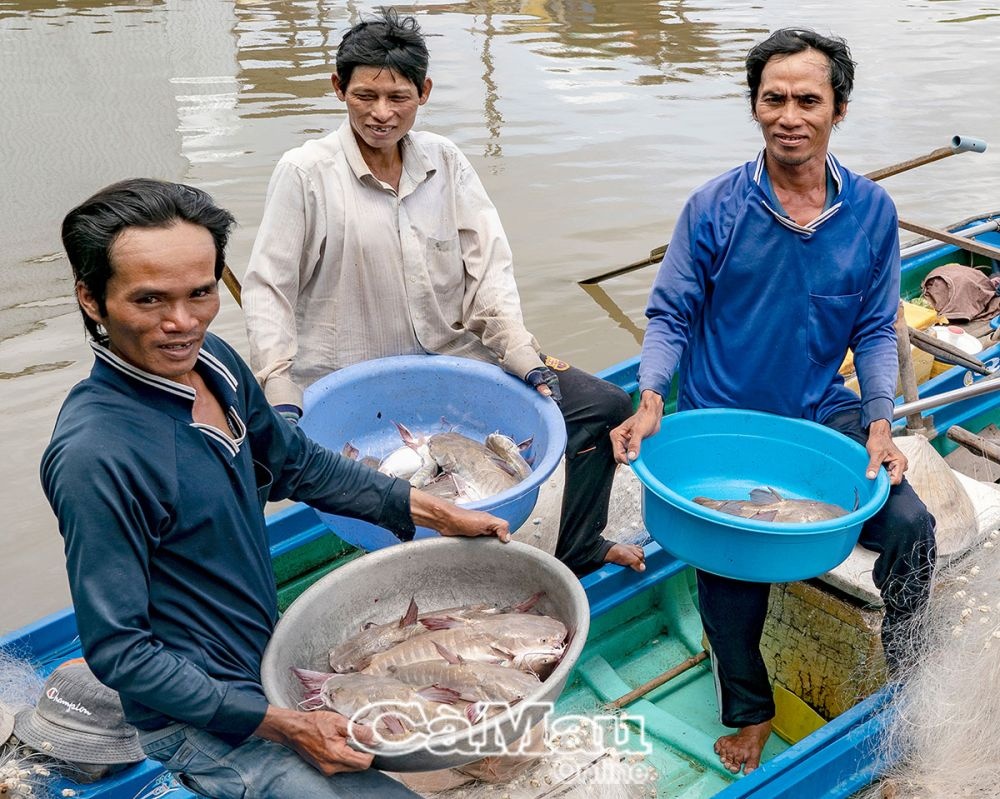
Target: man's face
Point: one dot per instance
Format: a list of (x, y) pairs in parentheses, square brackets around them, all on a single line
[(795, 107), (382, 107), (161, 297)]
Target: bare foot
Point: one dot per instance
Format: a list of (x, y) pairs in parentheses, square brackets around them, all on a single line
[(742, 749), (627, 555)]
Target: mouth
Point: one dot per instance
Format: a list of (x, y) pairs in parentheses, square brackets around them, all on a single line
[(381, 130), (179, 349), (789, 140)]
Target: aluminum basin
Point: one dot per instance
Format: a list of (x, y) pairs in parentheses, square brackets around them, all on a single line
[(439, 573)]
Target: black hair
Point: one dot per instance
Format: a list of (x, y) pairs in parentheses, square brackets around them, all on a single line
[(788, 41), (388, 41), (90, 230)]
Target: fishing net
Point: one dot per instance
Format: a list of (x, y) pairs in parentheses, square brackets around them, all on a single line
[(20, 685), (944, 734)]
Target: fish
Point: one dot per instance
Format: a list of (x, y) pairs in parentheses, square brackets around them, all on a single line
[(478, 684), (375, 638), (767, 505), (524, 641), (379, 699), (509, 451), (351, 452), (484, 473)]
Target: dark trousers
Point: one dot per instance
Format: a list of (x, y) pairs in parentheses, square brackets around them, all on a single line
[(591, 407), (733, 611)]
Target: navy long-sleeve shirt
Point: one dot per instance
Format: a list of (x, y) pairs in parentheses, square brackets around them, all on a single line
[(755, 311), (166, 546)]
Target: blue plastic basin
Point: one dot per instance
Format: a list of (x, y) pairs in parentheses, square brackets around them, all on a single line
[(723, 454), (360, 403)]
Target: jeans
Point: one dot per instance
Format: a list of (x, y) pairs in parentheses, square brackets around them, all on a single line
[(255, 769)]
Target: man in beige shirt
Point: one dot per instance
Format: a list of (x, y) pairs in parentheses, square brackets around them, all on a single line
[(377, 240)]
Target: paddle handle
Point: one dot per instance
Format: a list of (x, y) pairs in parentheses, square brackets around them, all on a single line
[(656, 682)]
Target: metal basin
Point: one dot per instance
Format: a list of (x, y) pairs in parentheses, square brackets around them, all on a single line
[(723, 454), (439, 573), (360, 403)]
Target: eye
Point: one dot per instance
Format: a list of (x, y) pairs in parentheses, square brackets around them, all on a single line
[(147, 299)]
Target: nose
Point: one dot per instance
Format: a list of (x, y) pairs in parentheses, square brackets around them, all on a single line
[(179, 318), (381, 109), (790, 114)]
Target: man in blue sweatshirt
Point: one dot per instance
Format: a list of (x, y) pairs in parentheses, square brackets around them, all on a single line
[(158, 471), (774, 269)]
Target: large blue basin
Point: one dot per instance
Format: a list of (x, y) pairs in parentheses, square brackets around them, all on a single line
[(360, 403), (723, 454)]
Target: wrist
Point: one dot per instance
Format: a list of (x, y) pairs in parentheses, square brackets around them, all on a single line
[(429, 511), (651, 401)]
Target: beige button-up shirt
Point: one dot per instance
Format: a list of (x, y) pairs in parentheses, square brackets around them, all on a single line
[(345, 269)]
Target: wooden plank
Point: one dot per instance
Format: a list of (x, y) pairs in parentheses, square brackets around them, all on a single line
[(976, 247)]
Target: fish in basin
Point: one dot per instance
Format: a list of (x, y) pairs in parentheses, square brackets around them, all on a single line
[(767, 505)]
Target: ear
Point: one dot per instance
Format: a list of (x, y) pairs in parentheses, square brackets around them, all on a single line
[(335, 80), (841, 113), (88, 302), (426, 92)]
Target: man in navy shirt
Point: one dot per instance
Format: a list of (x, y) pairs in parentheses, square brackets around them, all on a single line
[(775, 268), (158, 471)]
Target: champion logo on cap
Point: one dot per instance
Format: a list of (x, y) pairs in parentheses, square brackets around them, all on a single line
[(75, 707)]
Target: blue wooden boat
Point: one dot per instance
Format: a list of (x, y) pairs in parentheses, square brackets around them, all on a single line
[(641, 624)]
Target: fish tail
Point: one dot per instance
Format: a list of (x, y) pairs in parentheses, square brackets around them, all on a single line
[(404, 433)]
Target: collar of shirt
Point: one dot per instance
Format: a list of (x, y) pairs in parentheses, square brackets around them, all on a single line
[(177, 399), (417, 167), (834, 187)]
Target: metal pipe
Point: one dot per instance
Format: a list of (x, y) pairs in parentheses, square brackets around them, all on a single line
[(963, 144), (984, 386), (933, 244)]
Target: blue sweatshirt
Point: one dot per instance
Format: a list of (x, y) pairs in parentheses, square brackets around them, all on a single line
[(166, 546), (755, 311)]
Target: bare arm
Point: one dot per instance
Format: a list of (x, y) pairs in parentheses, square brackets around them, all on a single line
[(449, 519)]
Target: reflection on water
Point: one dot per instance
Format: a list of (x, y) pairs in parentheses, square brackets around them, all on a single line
[(588, 120)]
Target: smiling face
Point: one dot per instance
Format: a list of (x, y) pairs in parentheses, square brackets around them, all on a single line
[(161, 297), (795, 108), (382, 107)]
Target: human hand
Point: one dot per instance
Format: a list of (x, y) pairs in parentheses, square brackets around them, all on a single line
[(320, 737), (882, 451), (451, 520), (627, 438), (545, 382)]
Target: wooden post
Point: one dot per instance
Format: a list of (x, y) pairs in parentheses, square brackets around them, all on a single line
[(975, 444), (907, 377)]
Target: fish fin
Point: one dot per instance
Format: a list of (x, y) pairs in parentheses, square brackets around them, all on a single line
[(446, 653), (474, 712), (367, 625), (409, 618), (702, 500), (311, 680), (404, 433), (503, 465), (393, 724), (765, 496), (733, 507), (350, 451), (448, 426), (526, 443), (527, 604), (507, 656), (439, 693), (857, 499), (764, 515), (441, 623)]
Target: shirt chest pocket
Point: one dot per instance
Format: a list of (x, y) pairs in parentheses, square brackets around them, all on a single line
[(444, 264), (831, 322)]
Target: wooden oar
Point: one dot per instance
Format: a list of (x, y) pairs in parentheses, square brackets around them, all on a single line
[(233, 284), (959, 144), (950, 238), (656, 682)]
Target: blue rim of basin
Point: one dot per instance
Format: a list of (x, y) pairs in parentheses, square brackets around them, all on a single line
[(549, 413), (865, 511)]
